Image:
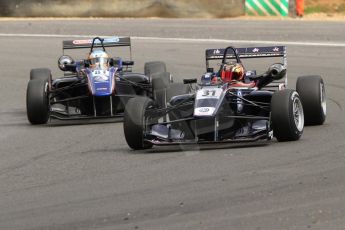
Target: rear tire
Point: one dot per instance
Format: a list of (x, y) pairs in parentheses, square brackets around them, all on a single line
[(287, 115), (154, 67), (134, 122), (37, 101), (312, 93), (163, 90), (41, 73)]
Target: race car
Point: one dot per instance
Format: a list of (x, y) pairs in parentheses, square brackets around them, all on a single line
[(230, 105), (96, 87)]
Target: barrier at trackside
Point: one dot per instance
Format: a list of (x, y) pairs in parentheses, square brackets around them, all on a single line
[(267, 7), (151, 8), (123, 8)]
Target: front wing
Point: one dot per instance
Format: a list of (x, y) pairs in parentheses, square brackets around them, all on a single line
[(64, 107), (165, 133)]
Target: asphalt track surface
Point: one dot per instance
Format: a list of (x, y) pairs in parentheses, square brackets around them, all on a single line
[(75, 176)]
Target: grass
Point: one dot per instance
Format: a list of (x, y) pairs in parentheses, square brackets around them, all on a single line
[(323, 8)]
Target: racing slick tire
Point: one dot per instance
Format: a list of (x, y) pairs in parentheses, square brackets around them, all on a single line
[(160, 83), (41, 73), (287, 115), (154, 68), (312, 93), (133, 123), (37, 107), (163, 90)]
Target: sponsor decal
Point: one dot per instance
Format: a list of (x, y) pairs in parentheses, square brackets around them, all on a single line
[(101, 78), (217, 51), (275, 49), (82, 42), (109, 40), (89, 41), (101, 89), (255, 50), (204, 110)]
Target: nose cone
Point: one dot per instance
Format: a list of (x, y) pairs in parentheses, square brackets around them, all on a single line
[(102, 82)]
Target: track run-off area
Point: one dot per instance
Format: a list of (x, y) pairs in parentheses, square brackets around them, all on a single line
[(82, 175)]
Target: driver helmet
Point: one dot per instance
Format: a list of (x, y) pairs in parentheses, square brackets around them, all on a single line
[(99, 58), (232, 72)]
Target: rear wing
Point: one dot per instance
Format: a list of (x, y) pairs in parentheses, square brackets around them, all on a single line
[(252, 52), (86, 43)]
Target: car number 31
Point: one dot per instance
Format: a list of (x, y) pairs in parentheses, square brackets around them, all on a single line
[(209, 93)]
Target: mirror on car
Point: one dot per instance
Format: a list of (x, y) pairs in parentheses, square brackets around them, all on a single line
[(86, 63), (128, 63), (111, 61), (210, 70), (190, 81)]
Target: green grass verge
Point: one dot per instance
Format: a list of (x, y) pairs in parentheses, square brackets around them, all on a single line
[(325, 9)]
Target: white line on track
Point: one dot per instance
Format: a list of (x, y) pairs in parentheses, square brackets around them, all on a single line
[(194, 40)]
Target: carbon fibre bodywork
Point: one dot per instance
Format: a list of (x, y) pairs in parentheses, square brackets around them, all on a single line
[(220, 112), (242, 115), (71, 97)]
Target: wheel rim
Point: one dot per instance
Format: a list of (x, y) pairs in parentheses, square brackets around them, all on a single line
[(323, 98), (298, 114)]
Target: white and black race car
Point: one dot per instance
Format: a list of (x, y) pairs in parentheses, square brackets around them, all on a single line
[(231, 105)]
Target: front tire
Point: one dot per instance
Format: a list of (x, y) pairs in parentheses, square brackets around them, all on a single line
[(287, 115), (37, 101), (312, 93), (134, 122)]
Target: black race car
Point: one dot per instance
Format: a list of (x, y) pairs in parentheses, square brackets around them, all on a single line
[(95, 87), (231, 105)]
